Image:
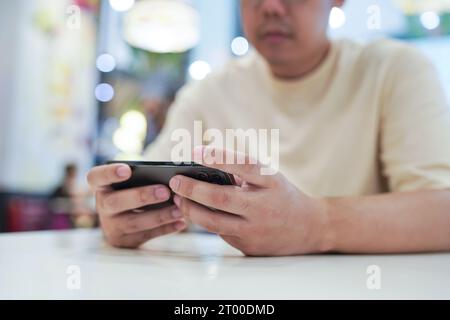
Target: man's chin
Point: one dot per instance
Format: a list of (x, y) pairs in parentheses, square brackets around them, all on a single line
[(274, 52), (276, 57)]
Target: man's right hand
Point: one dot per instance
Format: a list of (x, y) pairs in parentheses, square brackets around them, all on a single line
[(123, 225)]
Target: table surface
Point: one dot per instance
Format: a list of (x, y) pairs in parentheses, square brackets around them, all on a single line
[(38, 265)]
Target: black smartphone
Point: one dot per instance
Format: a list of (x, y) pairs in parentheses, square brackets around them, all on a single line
[(146, 173)]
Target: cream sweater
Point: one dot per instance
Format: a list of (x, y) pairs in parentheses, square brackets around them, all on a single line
[(371, 118)]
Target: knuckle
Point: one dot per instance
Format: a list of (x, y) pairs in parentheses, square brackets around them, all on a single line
[(110, 174), (117, 229), (212, 224), (100, 203), (162, 217), (112, 226), (90, 178), (166, 216), (243, 203), (131, 224), (185, 206), (187, 188), (219, 199), (239, 228), (145, 195), (159, 219), (170, 228), (108, 202)]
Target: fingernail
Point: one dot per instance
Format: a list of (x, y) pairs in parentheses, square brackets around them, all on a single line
[(177, 200), (176, 213), (179, 225), (123, 171), (174, 184), (162, 193)]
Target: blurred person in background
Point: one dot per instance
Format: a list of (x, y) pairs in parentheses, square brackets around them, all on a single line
[(67, 187), (69, 204), (364, 146), (157, 94)]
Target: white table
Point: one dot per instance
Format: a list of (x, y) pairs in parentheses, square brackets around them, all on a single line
[(202, 266)]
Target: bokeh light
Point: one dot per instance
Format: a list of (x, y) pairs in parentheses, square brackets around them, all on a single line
[(198, 70), (239, 46), (104, 92), (121, 5), (106, 63), (337, 18), (430, 20)]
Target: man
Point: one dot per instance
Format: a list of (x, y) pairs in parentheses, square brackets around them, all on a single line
[(364, 146)]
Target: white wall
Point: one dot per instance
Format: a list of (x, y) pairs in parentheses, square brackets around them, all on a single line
[(217, 30), (8, 49), (49, 105)]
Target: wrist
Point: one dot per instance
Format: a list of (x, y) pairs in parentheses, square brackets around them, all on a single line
[(327, 228)]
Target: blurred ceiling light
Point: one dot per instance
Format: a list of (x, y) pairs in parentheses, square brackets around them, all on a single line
[(198, 70), (162, 26), (239, 46), (121, 5), (106, 63), (411, 7), (337, 18), (127, 156), (135, 122), (129, 138), (430, 20), (126, 141), (104, 92)]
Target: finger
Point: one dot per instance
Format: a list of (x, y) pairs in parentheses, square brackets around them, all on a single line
[(235, 163), (129, 223), (214, 221), (238, 180), (114, 202), (230, 199), (136, 239), (233, 241), (103, 176)]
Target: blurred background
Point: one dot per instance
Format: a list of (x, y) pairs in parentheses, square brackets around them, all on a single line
[(85, 81)]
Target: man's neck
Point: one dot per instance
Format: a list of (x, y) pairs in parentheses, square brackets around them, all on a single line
[(300, 69)]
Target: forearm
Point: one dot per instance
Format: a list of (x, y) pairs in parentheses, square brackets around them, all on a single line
[(390, 223)]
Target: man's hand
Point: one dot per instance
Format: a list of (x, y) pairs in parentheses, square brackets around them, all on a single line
[(124, 225), (262, 216)]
